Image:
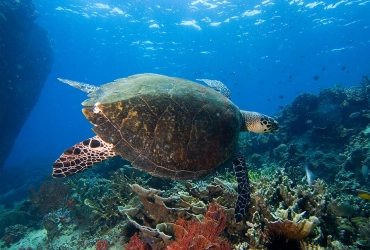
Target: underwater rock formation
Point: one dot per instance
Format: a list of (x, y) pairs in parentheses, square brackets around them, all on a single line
[(25, 61)]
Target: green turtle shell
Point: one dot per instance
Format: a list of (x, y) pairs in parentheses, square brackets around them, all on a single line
[(169, 127)]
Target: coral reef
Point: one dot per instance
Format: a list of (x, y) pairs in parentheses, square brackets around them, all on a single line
[(13, 233), (57, 222), (52, 194), (13, 217)]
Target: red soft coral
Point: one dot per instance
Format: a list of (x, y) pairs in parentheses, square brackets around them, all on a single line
[(136, 243), (195, 235), (102, 245)]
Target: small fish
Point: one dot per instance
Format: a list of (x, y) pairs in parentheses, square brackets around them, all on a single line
[(364, 196), (354, 115), (316, 78), (310, 176), (281, 97), (343, 68), (323, 68)]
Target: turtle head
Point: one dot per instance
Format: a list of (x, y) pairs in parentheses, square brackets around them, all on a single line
[(258, 123)]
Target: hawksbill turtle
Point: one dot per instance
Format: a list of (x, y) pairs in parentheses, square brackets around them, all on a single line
[(169, 127)]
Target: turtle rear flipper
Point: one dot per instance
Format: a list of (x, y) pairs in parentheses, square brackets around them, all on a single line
[(82, 156), (244, 194), (217, 86), (88, 88)]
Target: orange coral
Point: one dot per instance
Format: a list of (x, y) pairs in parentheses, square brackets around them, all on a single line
[(136, 243), (195, 235)]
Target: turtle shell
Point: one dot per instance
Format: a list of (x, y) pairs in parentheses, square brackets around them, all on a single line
[(166, 126)]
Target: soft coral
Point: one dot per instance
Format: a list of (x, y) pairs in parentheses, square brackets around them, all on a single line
[(195, 235), (136, 243)]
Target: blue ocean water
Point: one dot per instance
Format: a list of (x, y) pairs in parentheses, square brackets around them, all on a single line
[(266, 52)]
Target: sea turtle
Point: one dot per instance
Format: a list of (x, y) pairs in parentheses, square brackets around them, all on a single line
[(169, 127)]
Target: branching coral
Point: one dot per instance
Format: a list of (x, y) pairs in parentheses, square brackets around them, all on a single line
[(158, 209), (154, 237), (219, 191), (364, 232), (98, 198), (50, 223)]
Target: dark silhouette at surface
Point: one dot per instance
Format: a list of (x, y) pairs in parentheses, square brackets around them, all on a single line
[(25, 60)]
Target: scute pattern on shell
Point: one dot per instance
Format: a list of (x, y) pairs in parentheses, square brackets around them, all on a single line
[(166, 126)]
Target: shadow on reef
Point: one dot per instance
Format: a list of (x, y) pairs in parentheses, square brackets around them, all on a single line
[(116, 205), (25, 61)]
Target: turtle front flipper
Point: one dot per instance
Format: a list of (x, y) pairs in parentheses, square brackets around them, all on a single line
[(244, 195), (82, 156)]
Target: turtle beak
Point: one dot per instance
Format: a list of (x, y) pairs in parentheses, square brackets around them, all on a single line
[(274, 125)]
